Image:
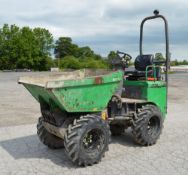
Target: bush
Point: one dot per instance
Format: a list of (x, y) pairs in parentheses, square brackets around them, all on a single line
[(93, 63), (71, 62)]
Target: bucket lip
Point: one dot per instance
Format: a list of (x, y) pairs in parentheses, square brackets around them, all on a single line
[(47, 83), (112, 77), (20, 81)]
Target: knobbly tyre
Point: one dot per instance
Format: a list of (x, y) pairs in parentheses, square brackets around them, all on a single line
[(79, 109)]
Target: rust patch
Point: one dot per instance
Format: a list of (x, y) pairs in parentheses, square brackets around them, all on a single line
[(98, 80)]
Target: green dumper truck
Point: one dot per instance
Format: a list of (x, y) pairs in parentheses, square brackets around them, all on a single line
[(81, 109)]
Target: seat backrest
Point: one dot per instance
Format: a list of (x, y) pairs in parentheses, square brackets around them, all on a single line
[(142, 61)]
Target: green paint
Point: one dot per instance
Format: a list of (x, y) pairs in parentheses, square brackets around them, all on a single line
[(80, 95), (88, 95), (152, 91)]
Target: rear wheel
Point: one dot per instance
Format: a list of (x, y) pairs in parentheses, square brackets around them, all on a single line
[(87, 140), (47, 138), (148, 125)]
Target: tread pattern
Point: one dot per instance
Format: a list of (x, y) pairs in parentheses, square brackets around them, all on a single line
[(47, 138), (140, 122), (75, 134)]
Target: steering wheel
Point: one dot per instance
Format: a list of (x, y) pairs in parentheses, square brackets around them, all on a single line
[(125, 57)]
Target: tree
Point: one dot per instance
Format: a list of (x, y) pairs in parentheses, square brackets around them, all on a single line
[(8, 46), (65, 47), (174, 63), (70, 62), (44, 40), (159, 57), (184, 62), (72, 56), (85, 52), (31, 48), (25, 48), (112, 55)]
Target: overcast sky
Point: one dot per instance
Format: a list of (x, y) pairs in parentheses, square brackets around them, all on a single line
[(104, 25)]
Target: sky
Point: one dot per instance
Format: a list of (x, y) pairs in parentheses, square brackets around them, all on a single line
[(105, 25)]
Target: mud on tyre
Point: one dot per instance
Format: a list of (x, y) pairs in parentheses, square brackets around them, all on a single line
[(47, 138), (148, 125), (87, 139)]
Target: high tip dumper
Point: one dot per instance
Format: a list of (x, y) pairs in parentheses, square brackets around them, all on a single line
[(80, 109)]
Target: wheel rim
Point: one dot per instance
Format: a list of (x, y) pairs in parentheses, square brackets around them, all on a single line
[(153, 126), (93, 141)]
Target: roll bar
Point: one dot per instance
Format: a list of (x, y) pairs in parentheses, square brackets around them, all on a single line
[(167, 61)]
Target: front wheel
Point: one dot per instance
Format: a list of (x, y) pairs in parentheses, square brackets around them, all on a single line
[(148, 125), (87, 140)]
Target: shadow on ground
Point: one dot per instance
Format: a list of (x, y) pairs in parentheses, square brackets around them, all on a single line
[(30, 147), (126, 139)]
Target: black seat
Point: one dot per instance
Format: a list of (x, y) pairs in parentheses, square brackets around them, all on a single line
[(141, 63)]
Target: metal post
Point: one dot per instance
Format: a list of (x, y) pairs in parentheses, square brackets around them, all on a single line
[(167, 62)]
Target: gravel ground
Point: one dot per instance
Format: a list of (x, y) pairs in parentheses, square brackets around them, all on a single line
[(22, 153)]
